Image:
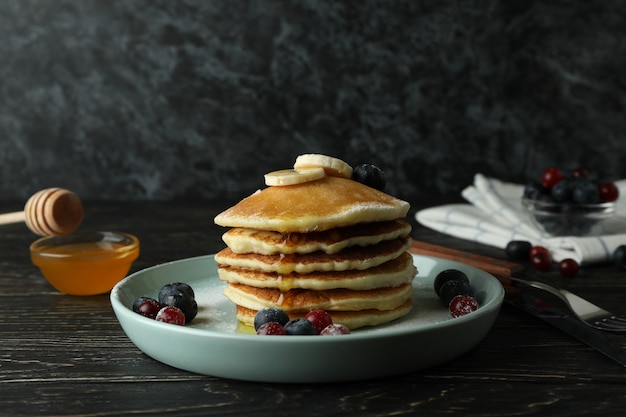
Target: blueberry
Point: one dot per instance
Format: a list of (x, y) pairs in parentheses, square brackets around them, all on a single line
[(269, 314), (619, 257), (534, 191), (518, 250), (186, 288), (562, 191), (177, 287), (370, 175), (301, 327), (452, 288), (449, 275), (585, 192), (553, 225), (179, 295), (580, 227)]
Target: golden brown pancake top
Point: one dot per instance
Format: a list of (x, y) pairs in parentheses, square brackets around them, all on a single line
[(318, 205)]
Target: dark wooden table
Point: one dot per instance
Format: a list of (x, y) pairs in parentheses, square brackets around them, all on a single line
[(66, 355)]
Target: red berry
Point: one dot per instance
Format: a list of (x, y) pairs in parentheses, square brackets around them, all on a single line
[(538, 250), (541, 261), (462, 305), (271, 328), (580, 173), (149, 307), (568, 268), (540, 258), (608, 192), (550, 177), (335, 330), (320, 319), (171, 315)]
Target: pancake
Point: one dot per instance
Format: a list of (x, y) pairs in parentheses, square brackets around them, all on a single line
[(351, 319), (356, 257), (242, 240), (299, 300), (319, 205), (392, 273), (329, 243)]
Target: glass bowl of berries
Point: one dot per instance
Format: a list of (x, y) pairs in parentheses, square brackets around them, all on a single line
[(85, 263), (573, 204)]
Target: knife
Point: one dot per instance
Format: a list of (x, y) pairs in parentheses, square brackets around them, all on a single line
[(537, 303)]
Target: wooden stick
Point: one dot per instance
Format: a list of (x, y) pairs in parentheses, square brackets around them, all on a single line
[(14, 217), (492, 265)]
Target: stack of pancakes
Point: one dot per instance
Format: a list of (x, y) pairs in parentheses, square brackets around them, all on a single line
[(331, 243)]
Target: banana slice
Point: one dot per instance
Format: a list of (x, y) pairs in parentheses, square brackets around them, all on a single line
[(333, 166), (293, 176)]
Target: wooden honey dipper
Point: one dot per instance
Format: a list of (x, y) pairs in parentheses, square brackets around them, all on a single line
[(49, 212)]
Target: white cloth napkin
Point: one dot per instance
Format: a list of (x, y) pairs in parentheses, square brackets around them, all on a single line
[(495, 216)]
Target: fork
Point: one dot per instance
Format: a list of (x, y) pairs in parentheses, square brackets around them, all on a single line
[(539, 296)]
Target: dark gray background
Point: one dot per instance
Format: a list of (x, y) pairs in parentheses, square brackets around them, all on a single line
[(164, 100)]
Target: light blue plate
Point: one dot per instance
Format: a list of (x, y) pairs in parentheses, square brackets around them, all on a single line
[(212, 343)]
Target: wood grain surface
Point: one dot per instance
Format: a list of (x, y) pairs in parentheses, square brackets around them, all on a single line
[(65, 355)]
